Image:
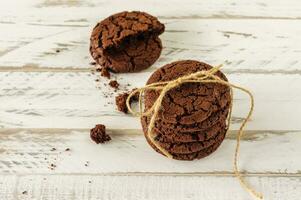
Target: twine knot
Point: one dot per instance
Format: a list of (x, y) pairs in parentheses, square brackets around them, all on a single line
[(197, 77)]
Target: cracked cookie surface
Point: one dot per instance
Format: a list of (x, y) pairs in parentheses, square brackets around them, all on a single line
[(170, 128), (192, 147), (169, 135), (189, 103), (127, 41), (194, 155), (192, 121)]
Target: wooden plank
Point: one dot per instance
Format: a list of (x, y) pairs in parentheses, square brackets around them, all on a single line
[(84, 187), (52, 37), (70, 12), (243, 45), (76, 100), (27, 151), (8, 186)]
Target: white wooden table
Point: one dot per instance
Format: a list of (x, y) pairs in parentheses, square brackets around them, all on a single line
[(49, 99)]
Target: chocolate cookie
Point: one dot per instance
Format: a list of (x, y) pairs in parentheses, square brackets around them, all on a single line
[(98, 134), (171, 128), (170, 136), (192, 120), (120, 100), (189, 103), (200, 154), (192, 147), (195, 155), (127, 41)]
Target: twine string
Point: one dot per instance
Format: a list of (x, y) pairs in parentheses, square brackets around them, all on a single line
[(197, 77)]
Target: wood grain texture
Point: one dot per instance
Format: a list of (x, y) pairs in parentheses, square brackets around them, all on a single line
[(72, 12), (49, 99), (30, 151), (242, 45), (84, 187), (8, 185), (76, 100)]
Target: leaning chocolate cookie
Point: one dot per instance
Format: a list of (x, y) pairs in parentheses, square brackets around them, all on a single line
[(127, 41), (192, 120)]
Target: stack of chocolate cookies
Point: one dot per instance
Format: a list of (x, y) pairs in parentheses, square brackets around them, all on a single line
[(192, 121)]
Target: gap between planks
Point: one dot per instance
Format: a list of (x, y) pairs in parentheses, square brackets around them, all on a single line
[(175, 174), (230, 17), (30, 69), (231, 134)]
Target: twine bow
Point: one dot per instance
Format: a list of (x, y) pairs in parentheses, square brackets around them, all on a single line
[(197, 77)]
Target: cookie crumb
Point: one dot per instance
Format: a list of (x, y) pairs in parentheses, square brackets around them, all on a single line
[(67, 149), (57, 51), (92, 63), (52, 166), (25, 192), (114, 84), (98, 134), (120, 100), (53, 149), (105, 72)]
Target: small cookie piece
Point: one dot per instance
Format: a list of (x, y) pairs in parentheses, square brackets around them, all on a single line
[(105, 72), (98, 134), (114, 84), (120, 101), (127, 41)]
